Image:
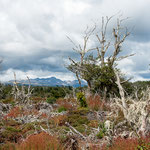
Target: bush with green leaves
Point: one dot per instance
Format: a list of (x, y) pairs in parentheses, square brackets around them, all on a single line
[(102, 131), (61, 109), (82, 100), (51, 100), (143, 145)]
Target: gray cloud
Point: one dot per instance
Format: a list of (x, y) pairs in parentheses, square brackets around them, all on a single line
[(33, 34)]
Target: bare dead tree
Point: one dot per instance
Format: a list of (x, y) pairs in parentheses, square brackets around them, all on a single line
[(119, 33), (81, 50), (108, 50), (136, 112), (20, 93)]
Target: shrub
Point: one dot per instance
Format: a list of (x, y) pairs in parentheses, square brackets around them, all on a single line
[(80, 128), (95, 103), (76, 119), (8, 146), (14, 112), (51, 100), (93, 124), (58, 120), (41, 141), (131, 144), (102, 131), (61, 109), (100, 134), (66, 103), (20, 111), (10, 134), (81, 98), (143, 144), (27, 127)]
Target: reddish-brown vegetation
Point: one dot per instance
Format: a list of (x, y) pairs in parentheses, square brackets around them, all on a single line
[(41, 141), (19, 111), (130, 144), (14, 112), (66, 103), (58, 120), (95, 103)]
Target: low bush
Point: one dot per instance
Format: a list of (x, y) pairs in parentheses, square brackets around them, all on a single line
[(76, 119), (20, 111), (58, 120), (102, 131), (14, 112), (82, 100), (95, 103), (66, 103), (130, 144), (8, 146), (61, 109), (10, 134), (51, 100), (41, 141), (93, 124)]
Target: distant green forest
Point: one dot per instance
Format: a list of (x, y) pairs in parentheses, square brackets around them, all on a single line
[(60, 92)]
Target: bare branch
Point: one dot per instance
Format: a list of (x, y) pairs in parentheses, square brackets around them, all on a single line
[(20, 93), (123, 57), (121, 91), (77, 132)]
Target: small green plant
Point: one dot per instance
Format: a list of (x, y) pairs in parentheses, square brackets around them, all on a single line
[(143, 145), (11, 129), (80, 128), (51, 100), (77, 118), (81, 98), (61, 109), (102, 131), (100, 134)]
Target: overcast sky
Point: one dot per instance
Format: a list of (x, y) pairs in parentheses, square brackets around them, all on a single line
[(33, 35)]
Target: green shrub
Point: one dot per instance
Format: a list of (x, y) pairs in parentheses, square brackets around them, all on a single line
[(51, 100), (10, 134), (80, 128), (61, 109), (102, 131), (100, 134), (77, 119), (81, 98), (7, 146), (143, 145), (11, 129)]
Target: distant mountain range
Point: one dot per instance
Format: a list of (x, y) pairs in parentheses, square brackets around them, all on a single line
[(52, 81)]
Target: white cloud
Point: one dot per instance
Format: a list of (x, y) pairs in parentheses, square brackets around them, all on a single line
[(21, 75), (30, 28), (70, 6)]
